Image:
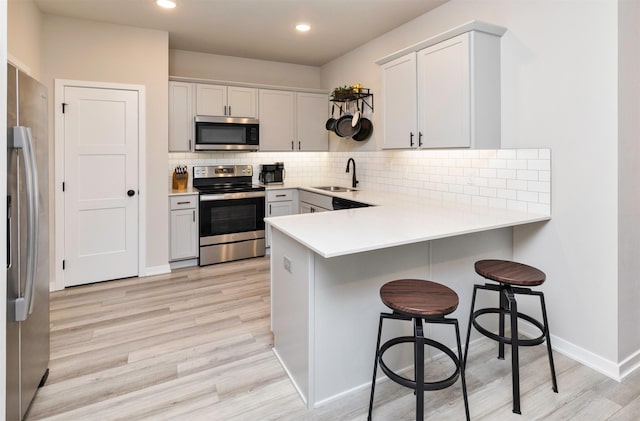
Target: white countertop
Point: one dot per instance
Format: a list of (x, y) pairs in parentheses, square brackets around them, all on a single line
[(188, 190), (394, 220)]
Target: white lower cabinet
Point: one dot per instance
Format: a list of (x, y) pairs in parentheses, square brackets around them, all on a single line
[(280, 203), (183, 227), (314, 202)]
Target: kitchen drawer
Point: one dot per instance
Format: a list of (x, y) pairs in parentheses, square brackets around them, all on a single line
[(183, 202), (279, 195)]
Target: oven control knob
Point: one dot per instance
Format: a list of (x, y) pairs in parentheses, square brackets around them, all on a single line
[(131, 193)]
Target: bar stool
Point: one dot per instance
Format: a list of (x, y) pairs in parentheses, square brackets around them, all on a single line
[(417, 300), (513, 278)]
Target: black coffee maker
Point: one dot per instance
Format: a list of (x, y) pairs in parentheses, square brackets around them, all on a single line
[(272, 173)]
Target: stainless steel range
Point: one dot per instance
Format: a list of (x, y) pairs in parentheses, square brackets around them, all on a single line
[(231, 213)]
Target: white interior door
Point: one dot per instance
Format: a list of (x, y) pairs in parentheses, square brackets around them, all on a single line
[(101, 184)]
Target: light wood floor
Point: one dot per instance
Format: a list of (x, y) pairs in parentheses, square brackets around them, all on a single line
[(196, 345)]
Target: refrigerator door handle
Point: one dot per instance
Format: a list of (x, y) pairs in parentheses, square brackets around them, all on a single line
[(9, 242), (20, 138)]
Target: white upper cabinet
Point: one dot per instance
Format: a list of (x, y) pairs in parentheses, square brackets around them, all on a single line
[(230, 101), (447, 94), (444, 75), (311, 117), (181, 106), (293, 121), (277, 123), (399, 99)]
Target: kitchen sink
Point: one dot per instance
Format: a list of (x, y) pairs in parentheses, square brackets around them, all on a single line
[(335, 189)]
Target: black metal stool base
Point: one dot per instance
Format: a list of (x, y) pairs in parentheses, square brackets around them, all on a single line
[(509, 307), (419, 341)]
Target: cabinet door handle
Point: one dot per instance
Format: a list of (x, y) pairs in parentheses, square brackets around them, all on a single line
[(411, 139), (225, 110), (189, 144), (194, 216), (183, 203), (419, 138), (229, 110), (281, 195), (299, 146), (269, 209), (292, 145)]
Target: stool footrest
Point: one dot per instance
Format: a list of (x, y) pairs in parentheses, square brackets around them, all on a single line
[(438, 385), (507, 339)]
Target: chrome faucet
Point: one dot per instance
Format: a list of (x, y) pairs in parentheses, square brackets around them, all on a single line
[(354, 182)]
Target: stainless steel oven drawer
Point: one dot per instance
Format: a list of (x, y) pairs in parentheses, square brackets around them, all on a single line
[(231, 251)]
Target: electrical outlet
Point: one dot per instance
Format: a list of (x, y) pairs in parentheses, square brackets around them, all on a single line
[(287, 264)]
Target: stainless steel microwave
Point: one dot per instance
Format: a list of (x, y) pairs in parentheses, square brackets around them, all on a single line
[(226, 134)]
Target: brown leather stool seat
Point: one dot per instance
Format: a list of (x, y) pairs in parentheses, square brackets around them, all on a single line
[(419, 300), (513, 279)]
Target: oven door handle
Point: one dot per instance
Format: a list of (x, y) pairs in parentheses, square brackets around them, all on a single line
[(227, 196)]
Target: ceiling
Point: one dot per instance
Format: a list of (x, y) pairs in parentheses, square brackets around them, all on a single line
[(260, 29)]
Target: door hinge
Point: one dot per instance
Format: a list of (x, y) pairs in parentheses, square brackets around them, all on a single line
[(63, 186), (64, 264), (64, 106)]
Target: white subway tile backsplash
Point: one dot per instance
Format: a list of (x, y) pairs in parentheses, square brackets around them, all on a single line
[(507, 174), (529, 175), (527, 196), (506, 153), (494, 202), (488, 192), (498, 183), (505, 178), (517, 164), (507, 194), (539, 208), (517, 205), (516, 184), (479, 201), (527, 153), (538, 164)]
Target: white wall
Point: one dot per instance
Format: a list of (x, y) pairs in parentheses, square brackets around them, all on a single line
[(559, 91), (24, 41), (91, 51), (629, 181), (210, 66)]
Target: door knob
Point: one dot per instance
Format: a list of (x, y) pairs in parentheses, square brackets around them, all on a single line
[(131, 193)]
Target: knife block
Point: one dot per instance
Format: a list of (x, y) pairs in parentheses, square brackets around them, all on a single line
[(179, 181)]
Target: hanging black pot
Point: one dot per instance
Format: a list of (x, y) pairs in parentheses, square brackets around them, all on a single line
[(366, 129)]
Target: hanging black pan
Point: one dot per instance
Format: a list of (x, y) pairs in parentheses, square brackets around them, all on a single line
[(366, 128), (331, 122), (344, 128)]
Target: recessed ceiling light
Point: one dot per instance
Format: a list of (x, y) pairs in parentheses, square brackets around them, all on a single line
[(167, 4), (302, 27)]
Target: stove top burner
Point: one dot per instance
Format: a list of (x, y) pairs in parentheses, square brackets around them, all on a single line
[(222, 179), (228, 188)]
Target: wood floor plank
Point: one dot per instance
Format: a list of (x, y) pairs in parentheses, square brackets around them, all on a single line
[(196, 345)]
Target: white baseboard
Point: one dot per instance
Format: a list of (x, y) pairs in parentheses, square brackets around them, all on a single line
[(183, 264), (156, 270), (584, 356), (629, 365)]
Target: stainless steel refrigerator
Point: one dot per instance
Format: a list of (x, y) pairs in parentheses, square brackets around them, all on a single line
[(27, 241)]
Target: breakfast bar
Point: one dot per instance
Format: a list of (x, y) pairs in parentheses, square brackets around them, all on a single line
[(327, 269)]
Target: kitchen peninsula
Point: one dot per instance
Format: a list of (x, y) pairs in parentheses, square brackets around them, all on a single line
[(327, 268)]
